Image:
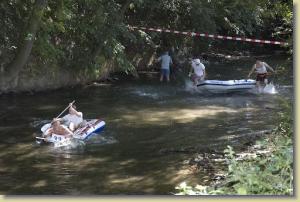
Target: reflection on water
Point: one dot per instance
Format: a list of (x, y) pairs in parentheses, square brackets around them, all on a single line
[(142, 119)]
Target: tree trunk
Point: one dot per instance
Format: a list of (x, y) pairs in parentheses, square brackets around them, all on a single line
[(10, 76)]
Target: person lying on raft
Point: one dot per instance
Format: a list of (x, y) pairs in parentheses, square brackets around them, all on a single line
[(58, 129), (74, 119), (261, 72)]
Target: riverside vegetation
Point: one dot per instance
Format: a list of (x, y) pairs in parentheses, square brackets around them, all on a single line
[(67, 42), (268, 170)]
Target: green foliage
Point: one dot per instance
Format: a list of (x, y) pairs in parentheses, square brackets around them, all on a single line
[(253, 19), (267, 175), (13, 15), (73, 34), (184, 189)]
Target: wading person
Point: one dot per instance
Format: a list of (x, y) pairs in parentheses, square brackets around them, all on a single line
[(197, 72), (166, 61), (260, 69)]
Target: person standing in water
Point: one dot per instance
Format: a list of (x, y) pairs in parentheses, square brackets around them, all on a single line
[(197, 71), (166, 61), (260, 69)]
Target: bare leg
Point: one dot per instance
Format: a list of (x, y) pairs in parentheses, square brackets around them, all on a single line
[(72, 126), (168, 78), (161, 77), (197, 80), (258, 86)]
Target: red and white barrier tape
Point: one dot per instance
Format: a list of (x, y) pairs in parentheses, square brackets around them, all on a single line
[(211, 35)]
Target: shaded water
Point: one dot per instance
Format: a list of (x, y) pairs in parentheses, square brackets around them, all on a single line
[(143, 119)]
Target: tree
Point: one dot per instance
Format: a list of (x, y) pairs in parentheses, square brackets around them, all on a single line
[(11, 72)]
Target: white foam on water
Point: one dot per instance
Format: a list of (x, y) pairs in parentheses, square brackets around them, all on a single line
[(270, 89), (146, 94), (190, 87)]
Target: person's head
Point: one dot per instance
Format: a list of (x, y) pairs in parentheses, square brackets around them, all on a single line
[(197, 61), (55, 123), (71, 111), (166, 53), (258, 62)]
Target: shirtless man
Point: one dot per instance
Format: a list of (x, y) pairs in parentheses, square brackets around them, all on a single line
[(58, 129)]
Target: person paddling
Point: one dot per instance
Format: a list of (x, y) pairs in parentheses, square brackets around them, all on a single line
[(73, 119), (58, 129)]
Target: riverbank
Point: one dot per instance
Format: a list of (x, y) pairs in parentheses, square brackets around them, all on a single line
[(50, 78), (263, 165), (44, 81)]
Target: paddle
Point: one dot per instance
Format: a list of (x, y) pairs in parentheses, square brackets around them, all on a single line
[(40, 138), (65, 109)]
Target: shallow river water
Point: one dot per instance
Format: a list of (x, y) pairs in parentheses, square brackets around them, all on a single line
[(144, 119)]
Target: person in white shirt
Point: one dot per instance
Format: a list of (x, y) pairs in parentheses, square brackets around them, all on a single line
[(73, 119), (197, 71), (260, 69)]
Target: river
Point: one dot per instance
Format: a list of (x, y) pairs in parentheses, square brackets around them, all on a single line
[(144, 119)]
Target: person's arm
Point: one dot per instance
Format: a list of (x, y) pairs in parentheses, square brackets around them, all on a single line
[(204, 72), (158, 59), (191, 70), (79, 114), (61, 119), (49, 132), (67, 130), (269, 67), (251, 71)]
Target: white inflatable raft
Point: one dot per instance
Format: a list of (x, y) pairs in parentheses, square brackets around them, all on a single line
[(83, 133), (227, 86)]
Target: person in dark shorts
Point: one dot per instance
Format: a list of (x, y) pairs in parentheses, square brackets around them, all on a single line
[(166, 61), (260, 69)]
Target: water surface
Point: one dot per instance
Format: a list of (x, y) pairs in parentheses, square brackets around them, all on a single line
[(145, 119)]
